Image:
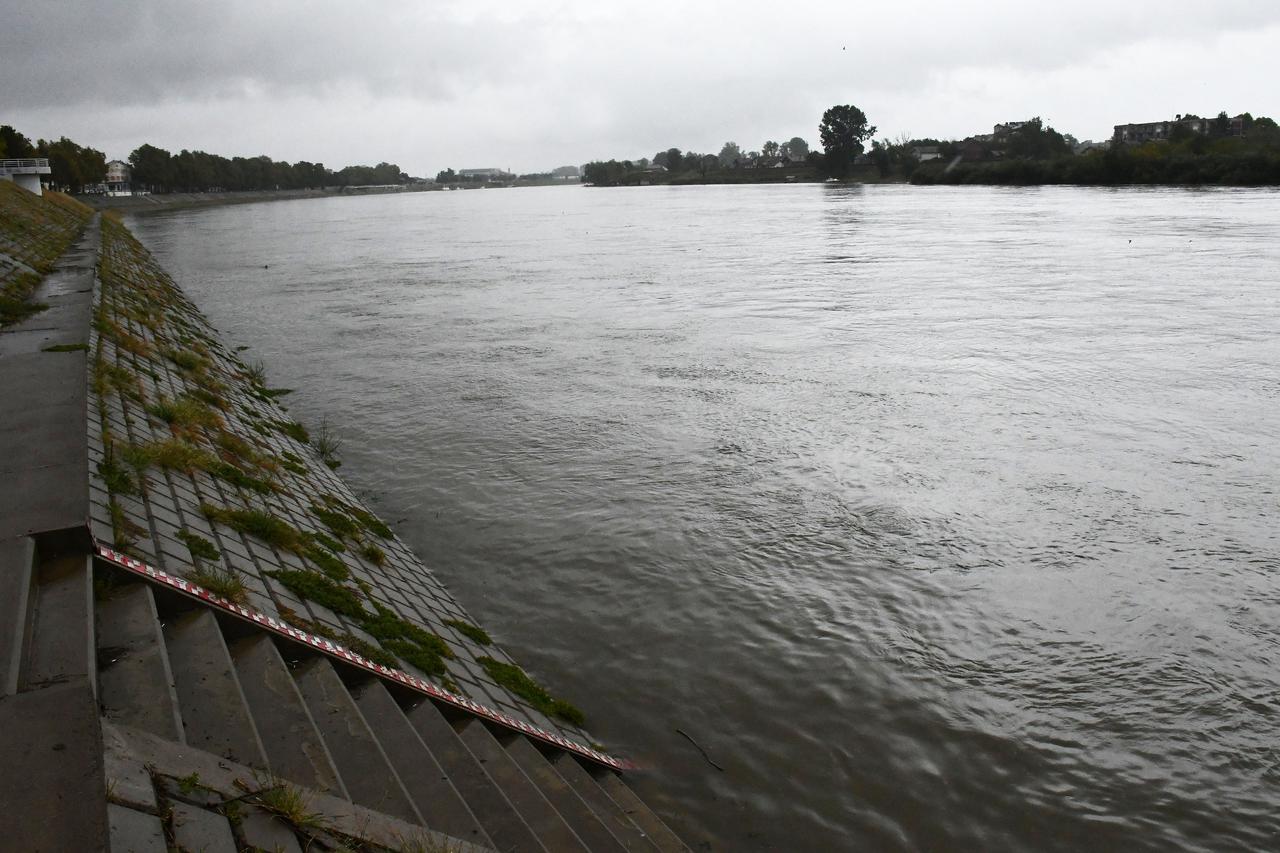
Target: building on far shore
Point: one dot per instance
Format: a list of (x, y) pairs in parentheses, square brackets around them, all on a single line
[(118, 177), (485, 174), (1156, 131)]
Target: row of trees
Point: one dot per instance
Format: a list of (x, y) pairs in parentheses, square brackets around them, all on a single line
[(154, 169), (843, 130), (71, 166), (157, 170)]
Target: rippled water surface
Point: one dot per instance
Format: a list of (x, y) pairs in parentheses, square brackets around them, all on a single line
[(940, 518)]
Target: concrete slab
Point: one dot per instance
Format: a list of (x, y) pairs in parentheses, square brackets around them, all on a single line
[(53, 786), (264, 831), (135, 682), (200, 831), (17, 558), (61, 647), (135, 832), (129, 782)]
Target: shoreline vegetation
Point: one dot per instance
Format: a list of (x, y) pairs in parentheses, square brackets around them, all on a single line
[(1185, 151)]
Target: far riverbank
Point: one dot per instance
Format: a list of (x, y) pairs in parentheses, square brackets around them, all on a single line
[(176, 201)]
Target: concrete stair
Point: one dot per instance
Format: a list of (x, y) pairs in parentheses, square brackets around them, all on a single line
[(180, 672), (371, 780), (212, 706), (135, 682), (295, 750), (426, 782)]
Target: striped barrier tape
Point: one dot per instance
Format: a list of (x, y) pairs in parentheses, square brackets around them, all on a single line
[(328, 647)]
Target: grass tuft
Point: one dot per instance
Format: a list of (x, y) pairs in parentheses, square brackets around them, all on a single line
[(322, 590), (292, 805), (518, 682), (255, 522), (475, 632), (200, 548), (294, 430), (225, 582)]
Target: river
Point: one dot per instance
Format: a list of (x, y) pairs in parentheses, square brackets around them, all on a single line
[(940, 518)]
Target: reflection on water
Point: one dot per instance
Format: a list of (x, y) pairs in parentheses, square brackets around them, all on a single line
[(942, 518)]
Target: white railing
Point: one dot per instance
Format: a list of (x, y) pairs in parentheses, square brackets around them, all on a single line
[(24, 163)]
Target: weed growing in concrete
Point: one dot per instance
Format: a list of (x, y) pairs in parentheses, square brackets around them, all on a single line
[(109, 376), (225, 582), (294, 430), (342, 526), (332, 544), (373, 554), (200, 548), (292, 805), (475, 632), (343, 514), (124, 532), (116, 477), (322, 590), (351, 641), (407, 641), (328, 563), (257, 523), (327, 444), (185, 413), (67, 348), (518, 682), (171, 453), (255, 373), (188, 784)]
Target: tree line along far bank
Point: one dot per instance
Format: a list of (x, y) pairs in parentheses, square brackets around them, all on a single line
[(1188, 150), (77, 168)]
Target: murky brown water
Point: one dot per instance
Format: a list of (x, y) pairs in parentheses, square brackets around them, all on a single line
[(941, 518)]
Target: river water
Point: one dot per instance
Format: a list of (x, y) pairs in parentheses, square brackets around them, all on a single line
[(940, 518)]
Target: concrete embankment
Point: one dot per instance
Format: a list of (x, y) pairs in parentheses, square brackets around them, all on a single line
[(208, 641)]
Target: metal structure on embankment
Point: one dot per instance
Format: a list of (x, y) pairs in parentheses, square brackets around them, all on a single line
[(207, 642)]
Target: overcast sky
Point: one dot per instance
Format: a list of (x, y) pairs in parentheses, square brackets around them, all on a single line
[(531, 86)]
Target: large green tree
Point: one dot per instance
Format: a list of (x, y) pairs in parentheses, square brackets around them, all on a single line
[(729, 155), (14, 144), (843, 130), (71, 165), (795, 149)]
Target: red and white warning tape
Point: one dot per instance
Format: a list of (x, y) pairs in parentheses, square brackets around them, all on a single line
[(332, 649)]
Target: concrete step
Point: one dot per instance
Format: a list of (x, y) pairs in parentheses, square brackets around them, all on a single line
[(439, 803), (214, 714), (61, 640), (370, 779), (588, 826), (641, 815), (622, 827), (135, 683), (295, 749), (497, 816), (537, 812), (17, 562), (53, 784)]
